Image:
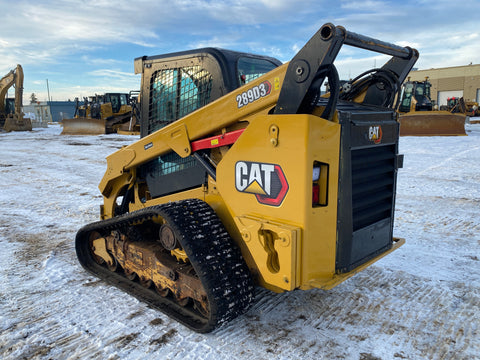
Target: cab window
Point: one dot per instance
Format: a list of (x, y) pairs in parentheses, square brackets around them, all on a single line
[(249, 69)]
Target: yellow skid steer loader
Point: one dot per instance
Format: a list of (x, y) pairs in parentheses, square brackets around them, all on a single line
[(246, 174)]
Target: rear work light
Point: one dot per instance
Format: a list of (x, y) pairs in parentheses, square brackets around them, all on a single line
[(319, 184)]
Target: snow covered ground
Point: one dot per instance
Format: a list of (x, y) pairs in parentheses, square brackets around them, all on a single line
[(420, 302)]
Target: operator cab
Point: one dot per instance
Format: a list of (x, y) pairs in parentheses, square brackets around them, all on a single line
[(9, 106), (176, 84), (117, 100), (418, 90)]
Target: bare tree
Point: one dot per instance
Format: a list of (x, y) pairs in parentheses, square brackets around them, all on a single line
[(33, 98)]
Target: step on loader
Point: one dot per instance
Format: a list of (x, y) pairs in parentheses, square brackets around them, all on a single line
[(247, 175)]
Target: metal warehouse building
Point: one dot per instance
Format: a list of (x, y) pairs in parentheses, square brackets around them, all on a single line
[(455, 81)]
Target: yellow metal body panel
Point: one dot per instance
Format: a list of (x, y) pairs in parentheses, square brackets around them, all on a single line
[(302, 139), (339, 278), (274, 248), (288, 246)]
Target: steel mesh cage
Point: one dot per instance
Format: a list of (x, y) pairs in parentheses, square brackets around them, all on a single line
[(176, 93)]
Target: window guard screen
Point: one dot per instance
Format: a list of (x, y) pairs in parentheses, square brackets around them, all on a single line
[(175, 93)]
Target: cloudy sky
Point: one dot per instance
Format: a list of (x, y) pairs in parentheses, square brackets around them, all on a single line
[(87, 47)]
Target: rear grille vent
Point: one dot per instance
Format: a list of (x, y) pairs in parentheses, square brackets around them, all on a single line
[(373, 174)]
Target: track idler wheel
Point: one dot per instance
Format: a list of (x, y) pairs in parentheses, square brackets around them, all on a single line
[(100, 253), (146, 283), (130, 275), (162, 291)]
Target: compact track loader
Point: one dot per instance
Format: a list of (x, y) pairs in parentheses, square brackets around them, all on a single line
[(418, 118), (247, 175), (100, 114), (11, 115)]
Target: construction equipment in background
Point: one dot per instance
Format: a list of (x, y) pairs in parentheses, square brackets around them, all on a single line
[(100, 114), (471, 108), (246, 175), (11, 115), (131, 127), (473, 111), (455, 105), (419, 118), (459, 105)]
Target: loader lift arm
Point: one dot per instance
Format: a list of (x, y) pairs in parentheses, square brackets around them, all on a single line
[(314, 62)]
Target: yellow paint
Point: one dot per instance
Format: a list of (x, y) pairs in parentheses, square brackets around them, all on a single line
[(312, 254), (288, 246), (255, 188), (276, 84)]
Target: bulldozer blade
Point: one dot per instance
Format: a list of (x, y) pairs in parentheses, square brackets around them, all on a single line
[(83, 126), (432, 123), (12, 124), (128, 128)]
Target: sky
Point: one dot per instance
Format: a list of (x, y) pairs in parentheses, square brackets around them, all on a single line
[(88, 47)]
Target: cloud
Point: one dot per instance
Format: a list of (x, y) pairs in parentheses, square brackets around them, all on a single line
[(100, 61), (67, 27), (114, 74), (55, 28), (366, 5), (85, 43)]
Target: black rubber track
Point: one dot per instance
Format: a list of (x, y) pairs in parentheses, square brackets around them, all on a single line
[(213, 255)]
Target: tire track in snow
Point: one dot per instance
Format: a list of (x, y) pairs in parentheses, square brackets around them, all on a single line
[(378, 307), (456, 155), (422, 302), (404, 311)]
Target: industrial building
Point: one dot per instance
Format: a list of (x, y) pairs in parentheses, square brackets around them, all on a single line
[(457, 81), (50, 111)]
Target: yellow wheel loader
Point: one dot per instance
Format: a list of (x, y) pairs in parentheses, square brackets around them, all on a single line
[(419, 118), (99, 114), (11, 115), (247, 175)]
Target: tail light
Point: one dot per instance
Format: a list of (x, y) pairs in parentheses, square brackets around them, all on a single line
[(319, 184)]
